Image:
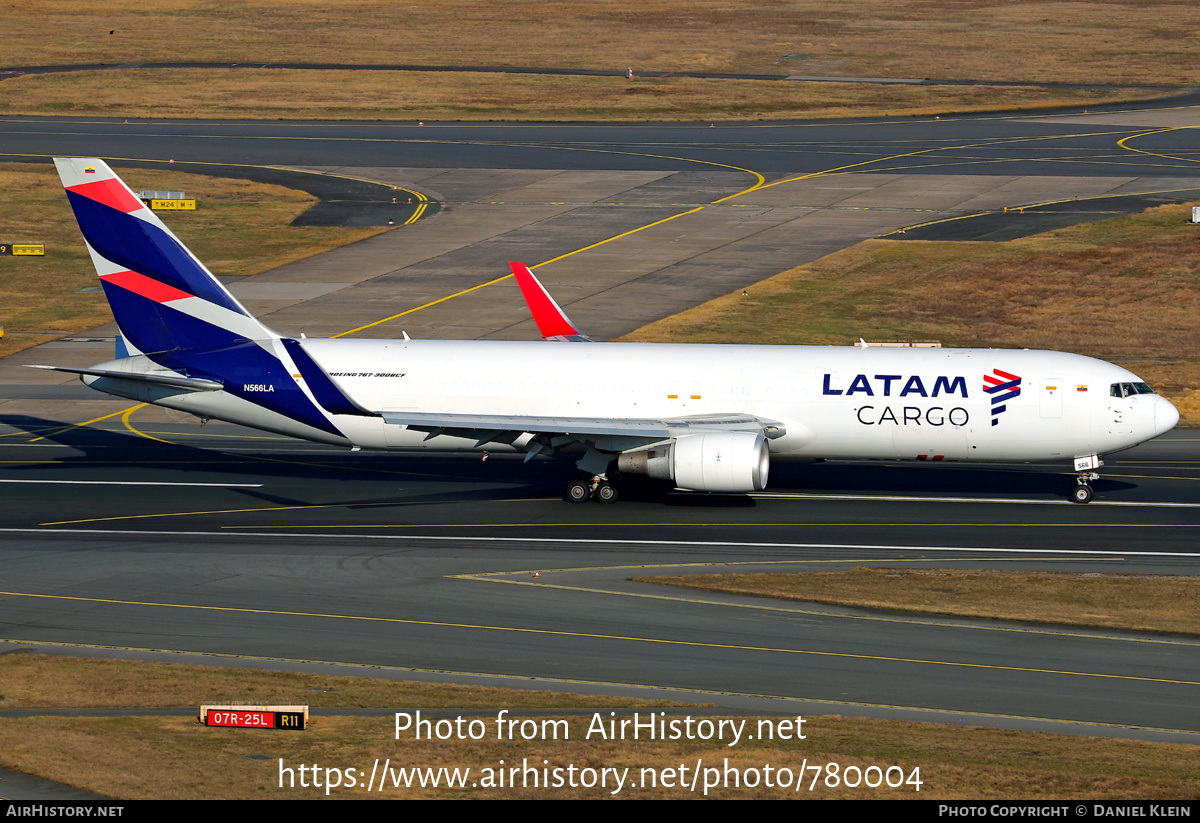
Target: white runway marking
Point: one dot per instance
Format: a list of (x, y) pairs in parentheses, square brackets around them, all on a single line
[(609, 542), (140, 483), (913, 499)]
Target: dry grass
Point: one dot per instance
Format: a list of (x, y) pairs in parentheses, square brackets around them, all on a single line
[(1106, 41), (168, 758), (43, 681), (239, 228), (1119, 601), (1125, 290), (373, 95), (1146, 42), (171, 758)]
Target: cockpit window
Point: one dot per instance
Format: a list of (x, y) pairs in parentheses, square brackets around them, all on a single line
[(1129, 389)]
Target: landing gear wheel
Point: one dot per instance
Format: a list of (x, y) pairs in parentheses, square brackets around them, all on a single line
[(1082, 493), (578, 491), (606, 492)]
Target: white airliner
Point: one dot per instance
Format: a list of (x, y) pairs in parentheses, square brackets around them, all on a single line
[(700, 417)]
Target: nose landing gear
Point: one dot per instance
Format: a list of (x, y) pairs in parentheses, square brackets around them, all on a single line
[(1083, 492)]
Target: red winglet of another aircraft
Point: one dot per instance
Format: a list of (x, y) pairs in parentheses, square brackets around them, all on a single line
[(551, 320)]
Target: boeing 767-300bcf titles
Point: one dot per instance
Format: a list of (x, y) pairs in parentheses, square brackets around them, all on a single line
[(701, 417)]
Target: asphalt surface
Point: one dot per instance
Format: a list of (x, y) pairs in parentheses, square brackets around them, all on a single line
[(225, 542), (1065, 143), (296, 552), (642, 221)]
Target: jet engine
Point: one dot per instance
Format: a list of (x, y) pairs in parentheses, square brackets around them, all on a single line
[(735, 461)]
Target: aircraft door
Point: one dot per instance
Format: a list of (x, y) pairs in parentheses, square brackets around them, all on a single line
[(1119, 412), (1120, 418)]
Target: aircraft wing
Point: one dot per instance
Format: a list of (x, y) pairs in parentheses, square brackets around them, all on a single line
[(551, 320), (604, 434)]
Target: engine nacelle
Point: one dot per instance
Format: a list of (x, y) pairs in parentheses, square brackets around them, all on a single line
[(711, 462)]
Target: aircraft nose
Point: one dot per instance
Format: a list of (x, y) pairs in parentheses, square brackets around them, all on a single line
[(1165, 416)]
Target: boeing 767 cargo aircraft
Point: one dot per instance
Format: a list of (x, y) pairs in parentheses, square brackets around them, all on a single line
[(700, 417)]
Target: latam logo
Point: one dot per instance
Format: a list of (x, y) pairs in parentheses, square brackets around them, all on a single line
[(884, 382), (1002, 386)]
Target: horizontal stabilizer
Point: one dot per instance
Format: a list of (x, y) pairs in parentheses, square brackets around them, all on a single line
[(175, 381)]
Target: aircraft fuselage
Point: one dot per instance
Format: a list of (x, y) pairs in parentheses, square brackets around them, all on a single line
[(834, 402)]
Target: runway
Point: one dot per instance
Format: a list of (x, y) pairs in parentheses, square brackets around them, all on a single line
[(143, 532), (265, 548)]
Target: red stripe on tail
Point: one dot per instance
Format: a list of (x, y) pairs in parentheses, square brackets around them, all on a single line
[(111, 192), (145, 286)]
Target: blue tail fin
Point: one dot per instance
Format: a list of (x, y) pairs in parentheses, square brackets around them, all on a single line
[(162, 297)]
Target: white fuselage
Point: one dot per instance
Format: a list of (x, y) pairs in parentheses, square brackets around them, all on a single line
[(835, 402)]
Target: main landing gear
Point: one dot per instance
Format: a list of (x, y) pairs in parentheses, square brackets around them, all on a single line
[(1083, 492), (598, 488)]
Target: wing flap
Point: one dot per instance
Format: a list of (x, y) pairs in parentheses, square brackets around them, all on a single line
[(535, 425), (586, 429)]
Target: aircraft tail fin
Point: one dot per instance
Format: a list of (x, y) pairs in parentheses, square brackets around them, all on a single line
[(162, 297)]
